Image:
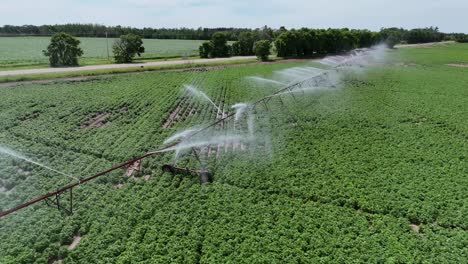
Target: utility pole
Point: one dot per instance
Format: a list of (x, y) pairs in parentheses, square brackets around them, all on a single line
[(107, 46)]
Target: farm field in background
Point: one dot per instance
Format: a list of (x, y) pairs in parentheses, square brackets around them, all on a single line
[(27, 51), (372, 172)]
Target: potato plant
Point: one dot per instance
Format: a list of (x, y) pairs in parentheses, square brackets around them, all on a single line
[(373, 172)]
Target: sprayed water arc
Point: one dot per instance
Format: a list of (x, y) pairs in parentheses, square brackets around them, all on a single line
[(13, 154), (194, 91), (293, 80)]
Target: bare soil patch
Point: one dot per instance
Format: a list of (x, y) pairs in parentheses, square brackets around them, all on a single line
[(75, 242), (102, 76), (23, 172), (406, 64), (182, 110), (415, 228), (171, 117), (132, 169), (429, 44), (118, 186), (55, 260), (28, 117), (462, 65), (98, 121)]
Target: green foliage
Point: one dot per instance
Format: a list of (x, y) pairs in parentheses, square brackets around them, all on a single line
[(206, 49), (126, 47), (423, 35), (348, 170), (262, 49), (246, 42), (63, 50), (309, 42), (235, 48), (216, 47), (285, 44), (393, 36), (96, 30), (461, 38), (220, 47)]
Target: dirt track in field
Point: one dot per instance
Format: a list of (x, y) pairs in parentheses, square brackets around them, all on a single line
[(188, 69), (118, 66), (97, 122), (75, 242), (462, 65), (429, 44)]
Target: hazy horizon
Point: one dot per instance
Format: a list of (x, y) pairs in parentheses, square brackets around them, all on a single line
[(449, 15)]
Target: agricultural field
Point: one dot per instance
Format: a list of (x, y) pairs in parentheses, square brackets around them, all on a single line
[(27, 51), (374, 172)]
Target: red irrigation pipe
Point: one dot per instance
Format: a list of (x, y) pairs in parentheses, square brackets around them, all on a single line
[(63, 189), (68, 187)]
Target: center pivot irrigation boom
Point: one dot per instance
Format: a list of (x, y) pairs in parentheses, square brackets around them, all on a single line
[(53, 198)]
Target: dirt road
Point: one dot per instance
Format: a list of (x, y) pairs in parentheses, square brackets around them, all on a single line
[(119, 66), (429, 44)]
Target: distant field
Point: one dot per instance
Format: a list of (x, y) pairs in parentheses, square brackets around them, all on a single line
[(27, 51)]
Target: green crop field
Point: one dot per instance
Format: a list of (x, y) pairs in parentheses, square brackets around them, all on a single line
[(27, 51), (374, 172)]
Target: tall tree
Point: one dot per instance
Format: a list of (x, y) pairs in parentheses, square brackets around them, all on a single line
[(262, 49), (219, 43), (205, 49), (126, 47), (246, 42), (63, 50)]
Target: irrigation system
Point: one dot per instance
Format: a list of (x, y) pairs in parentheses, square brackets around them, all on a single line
[(53, 198)]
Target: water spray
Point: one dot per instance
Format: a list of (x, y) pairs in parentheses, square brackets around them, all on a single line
[(13, 154), (194, 91), (300, 80)]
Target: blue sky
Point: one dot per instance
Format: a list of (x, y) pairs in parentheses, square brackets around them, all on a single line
[(448, 15)]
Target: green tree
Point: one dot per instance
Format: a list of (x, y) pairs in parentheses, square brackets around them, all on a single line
[(63, 50), (246, 42), (235, 48), (262, 49), (286, 44), (217, 47), (462, 38), (392, 40), (205, 49), (126, 47), (220, 47)]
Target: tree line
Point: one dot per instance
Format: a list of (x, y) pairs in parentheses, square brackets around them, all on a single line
[(418, 35), (413, 36), (310, 42), (290, 43), (259, 42), (96, 30)]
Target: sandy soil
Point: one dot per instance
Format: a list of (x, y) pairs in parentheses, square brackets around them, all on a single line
[(76, 241), (423, 44), (462, 65), (97, 122), (102, 76), (133, 168), (119, 66), (415, 228)]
